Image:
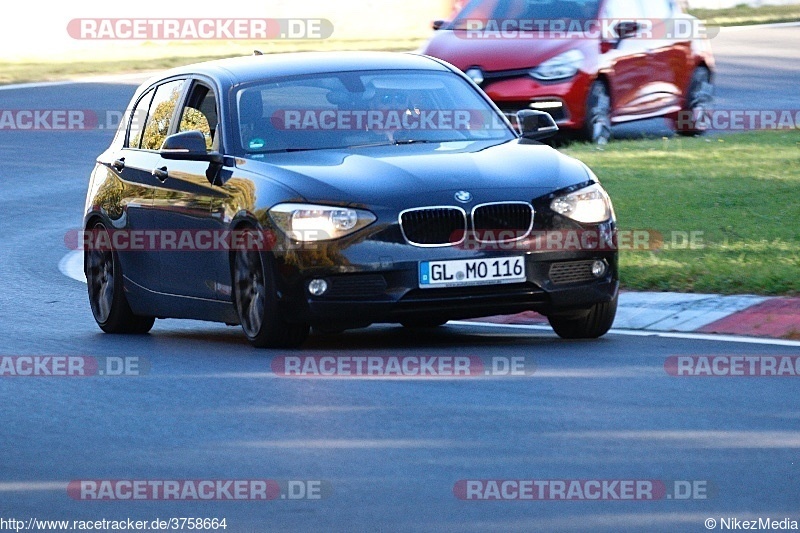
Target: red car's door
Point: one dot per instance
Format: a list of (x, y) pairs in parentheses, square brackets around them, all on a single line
[(670, 52), (628, 61)]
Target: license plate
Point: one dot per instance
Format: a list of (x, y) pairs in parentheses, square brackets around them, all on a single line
[(458, 273)]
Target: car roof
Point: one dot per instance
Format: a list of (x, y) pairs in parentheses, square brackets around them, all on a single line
[(238, 70)]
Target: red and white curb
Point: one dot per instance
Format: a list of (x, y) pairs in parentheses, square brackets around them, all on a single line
[(757, 316)]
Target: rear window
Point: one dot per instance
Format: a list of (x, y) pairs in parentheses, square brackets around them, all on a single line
[(159, 119), (138, 118)]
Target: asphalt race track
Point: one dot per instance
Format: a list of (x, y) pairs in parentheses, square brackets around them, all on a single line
[(383, 454)]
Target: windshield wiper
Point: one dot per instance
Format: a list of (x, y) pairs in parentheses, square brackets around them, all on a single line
[(426, 141), (414, 141), (368, 145)]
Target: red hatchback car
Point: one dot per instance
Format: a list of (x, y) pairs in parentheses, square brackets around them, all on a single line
[(589, 63)]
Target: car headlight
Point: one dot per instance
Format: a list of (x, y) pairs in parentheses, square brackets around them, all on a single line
[(560, 67), (590, 205), (309, 222)]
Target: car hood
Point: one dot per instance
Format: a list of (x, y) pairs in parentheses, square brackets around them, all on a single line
[(404, 176), (493, 54)]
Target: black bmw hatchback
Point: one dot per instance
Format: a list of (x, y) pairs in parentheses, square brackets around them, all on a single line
[(337, 190)]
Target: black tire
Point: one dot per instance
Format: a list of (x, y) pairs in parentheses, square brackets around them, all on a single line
[(423, 324), (327, 330), (256, 303), (107, 299), (592, 325), (597, 124), (693, 119)]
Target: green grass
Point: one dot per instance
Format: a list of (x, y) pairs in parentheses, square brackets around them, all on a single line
[(741, 191), (743, 15), (150, 57), (30, 72)]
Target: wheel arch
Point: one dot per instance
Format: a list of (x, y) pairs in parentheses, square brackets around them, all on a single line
[(605, 79)]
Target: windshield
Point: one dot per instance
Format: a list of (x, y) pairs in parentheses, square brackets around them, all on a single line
[(527, 10), (350, 109)]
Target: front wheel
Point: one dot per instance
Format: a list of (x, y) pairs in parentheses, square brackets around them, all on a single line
[(591, 325), (106, 294), (597, 124), (257, 304), (695, 117)]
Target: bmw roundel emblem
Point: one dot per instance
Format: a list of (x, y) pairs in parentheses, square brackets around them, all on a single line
[(463, 196)]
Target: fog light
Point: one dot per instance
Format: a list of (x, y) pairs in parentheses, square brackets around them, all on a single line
[(317, 287), (598, 268)]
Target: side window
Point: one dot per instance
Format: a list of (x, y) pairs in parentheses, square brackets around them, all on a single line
[(162, 108), (624, 9), (658, 9), (138, 117), (200, 113)]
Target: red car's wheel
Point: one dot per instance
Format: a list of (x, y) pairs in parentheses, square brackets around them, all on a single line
[(597, 124), (694, 118)]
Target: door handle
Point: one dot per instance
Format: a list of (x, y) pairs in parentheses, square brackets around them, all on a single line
[(118, 164), (161, 174)]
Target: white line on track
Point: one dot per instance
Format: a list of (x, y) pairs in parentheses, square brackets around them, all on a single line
[(637, 333), (71, 265), (731, 29)]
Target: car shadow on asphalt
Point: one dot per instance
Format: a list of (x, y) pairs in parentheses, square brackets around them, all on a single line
[(383, 337), (179, 337)]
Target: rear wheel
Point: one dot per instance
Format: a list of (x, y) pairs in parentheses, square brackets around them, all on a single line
[(327, 330), (597, 124), (106, 294), (257, 304), (592, 325), (694, 118)]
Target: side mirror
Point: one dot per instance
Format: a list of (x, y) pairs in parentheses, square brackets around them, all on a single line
[(438, 24), (627, 29), (536, 125), (188, 146), (624, 30)]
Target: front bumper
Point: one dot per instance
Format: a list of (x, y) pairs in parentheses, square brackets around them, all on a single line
[(372, 293), (565, 100)]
